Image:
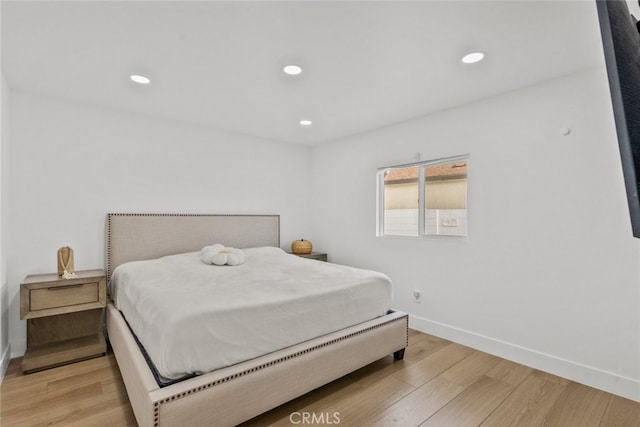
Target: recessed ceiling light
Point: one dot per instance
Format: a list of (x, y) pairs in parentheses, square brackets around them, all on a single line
[(292, 70), (306, 122), (140, 79), (473, 57)]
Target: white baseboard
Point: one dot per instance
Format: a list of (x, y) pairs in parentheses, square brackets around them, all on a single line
[(608, 381), (4, 361)]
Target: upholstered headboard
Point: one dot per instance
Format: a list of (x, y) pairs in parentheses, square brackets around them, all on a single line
[(139, 236)]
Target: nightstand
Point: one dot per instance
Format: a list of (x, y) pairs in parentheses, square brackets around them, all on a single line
[(320, 256), (65, 318)]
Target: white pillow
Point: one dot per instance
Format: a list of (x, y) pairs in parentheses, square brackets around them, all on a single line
[(219, 255)]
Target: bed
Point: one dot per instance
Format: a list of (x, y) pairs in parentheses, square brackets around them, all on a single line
[(231, 394)]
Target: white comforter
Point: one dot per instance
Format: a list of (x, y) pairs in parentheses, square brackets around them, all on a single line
[(192, 317)]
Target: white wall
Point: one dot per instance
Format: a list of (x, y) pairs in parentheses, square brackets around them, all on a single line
[(549, 275), (4, 158), (5, 351), (72, 164)]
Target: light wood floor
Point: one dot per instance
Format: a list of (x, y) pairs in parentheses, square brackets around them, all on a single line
[(439, 383)]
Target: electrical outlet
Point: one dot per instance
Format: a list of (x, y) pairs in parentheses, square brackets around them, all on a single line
[(416, 296)]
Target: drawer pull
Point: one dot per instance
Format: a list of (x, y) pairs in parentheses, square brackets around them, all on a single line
[(61, 288)]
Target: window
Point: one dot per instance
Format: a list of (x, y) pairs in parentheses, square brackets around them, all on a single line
[(425, 198)]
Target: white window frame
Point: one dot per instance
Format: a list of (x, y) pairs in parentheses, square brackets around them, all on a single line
[(421, 195)]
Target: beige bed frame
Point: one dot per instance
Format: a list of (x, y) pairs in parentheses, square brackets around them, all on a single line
[(231, 395)]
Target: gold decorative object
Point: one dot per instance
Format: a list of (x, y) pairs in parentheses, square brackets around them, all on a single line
[(65, 263), (301, 247)]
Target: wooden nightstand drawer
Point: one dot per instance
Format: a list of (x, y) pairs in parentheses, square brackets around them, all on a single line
[(320, 256), (48, 295), (62, 296)]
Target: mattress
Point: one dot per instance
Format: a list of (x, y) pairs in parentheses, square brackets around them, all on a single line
[(192, 317)]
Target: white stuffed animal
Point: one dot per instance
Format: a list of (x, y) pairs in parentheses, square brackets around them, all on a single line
[(219, 255)]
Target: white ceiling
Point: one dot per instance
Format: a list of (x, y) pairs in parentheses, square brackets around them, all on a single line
[(366, 64)]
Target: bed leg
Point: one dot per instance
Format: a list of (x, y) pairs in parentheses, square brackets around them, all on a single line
[(398, 355)]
